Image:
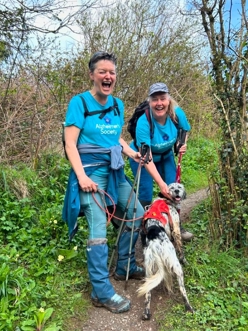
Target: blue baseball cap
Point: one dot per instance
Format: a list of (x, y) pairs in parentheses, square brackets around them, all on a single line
[(158, 87)]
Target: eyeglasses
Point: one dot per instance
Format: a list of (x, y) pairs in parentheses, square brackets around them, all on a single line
[(101, 55)]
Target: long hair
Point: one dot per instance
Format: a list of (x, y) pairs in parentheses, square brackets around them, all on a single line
[(171, 110)]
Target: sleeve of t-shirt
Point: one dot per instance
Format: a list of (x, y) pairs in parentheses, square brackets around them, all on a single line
[(143, 131), (182, 119), (75, 113)]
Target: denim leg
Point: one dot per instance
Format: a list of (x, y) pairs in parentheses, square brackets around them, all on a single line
[(123, 195), (146, 182), (123, 252), (169, 167), (95, 216)]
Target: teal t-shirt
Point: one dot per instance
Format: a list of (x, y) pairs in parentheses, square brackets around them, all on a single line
[(103, 132), (164, 136)]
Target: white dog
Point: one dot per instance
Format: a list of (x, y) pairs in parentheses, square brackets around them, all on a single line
[(161, 226)]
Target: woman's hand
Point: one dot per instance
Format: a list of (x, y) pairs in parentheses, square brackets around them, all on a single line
[(136, 156), (86, 184), (164, 188), (183, 149)]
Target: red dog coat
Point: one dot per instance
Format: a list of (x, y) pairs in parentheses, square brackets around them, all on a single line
[(155, 211)]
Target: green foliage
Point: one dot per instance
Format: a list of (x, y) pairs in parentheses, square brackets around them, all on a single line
[(230, 92), (44, 282), (16, 289), (196, 165), (216, 282), (39, 266), (41, 317), (229, 198), (200, 159), (4, 52)]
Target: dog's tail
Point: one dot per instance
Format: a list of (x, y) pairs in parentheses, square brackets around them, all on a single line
[(155, 262)]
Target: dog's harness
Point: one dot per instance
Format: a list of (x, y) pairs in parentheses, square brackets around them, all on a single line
[(156, 211)]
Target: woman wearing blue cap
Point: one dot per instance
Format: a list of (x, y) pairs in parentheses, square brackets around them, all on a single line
[(162, 167)]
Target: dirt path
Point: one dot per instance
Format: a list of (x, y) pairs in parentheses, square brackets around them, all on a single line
[(100, 319)]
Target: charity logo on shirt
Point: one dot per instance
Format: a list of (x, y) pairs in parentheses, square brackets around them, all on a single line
[(108, 128), (165, 137), (107, 120), (165, 144)]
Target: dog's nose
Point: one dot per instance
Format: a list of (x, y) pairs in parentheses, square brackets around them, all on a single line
[(177, 191)]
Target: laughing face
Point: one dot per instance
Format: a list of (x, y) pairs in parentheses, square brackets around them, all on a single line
[(104, 78), (159, 103)]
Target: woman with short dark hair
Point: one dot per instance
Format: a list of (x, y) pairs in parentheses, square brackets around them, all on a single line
[(94, 147)]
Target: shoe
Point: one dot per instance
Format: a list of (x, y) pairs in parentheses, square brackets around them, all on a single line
[(116, 304), (186, 235), (138, 274)]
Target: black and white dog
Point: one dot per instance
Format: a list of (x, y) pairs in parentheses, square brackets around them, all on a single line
[(161, 226)]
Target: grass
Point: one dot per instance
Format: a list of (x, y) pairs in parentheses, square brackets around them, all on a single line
[(34, 279), (197, 163), (44, 281)]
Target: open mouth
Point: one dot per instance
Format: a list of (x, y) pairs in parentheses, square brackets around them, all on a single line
[(176, 198), (106, 84), (159, 109)]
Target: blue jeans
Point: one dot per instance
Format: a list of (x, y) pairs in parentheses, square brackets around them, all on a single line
[(166, 169), (96, 216)]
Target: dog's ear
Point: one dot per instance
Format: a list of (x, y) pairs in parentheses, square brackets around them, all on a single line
[(184, 192)]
